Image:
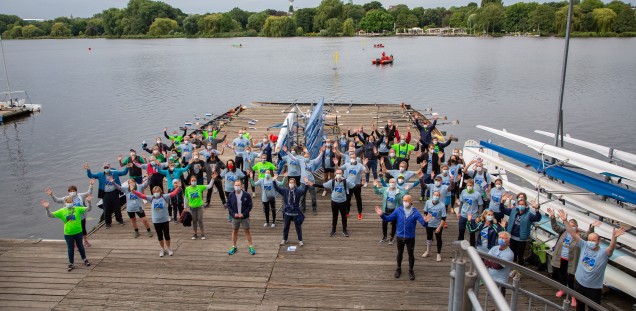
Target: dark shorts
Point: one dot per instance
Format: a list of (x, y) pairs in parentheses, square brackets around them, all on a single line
[(330, 170), (140, 214)]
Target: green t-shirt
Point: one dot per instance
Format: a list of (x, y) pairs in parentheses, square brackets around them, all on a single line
[(402, 151), (72, 218), (206, 135), (194, 194), (177, 139), (261, 167)]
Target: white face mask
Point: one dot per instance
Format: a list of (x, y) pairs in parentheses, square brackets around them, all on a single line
[(469, 188), (489, 217), (498, 186), (72, 194), (402, 141), (338, 176), (158, 141), (353, 161), (264, 141), (155, 151), (392, 185), (392, 155), (292, 186), (328, 145), (400, 181), (263, 160), (402, 169), (268, 176), (431, 151), (438, 183), (479, 169), (406, 205), (209, 147), (435, 199), (435, 142), (237, 188), (69, 205), (455, 153), (132, 154), (107, 170), (445, 172), (193, 183), (156, 195)]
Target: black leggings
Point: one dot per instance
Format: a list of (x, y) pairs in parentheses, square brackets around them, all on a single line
[(238, 162), (518, 249), (561, 275), (438, 237), (176, 206), (593, 293), (267, 206), (112, 205), (163, 230), (219, 189), (410, 247), (385, 227), (335, 209), (357, 191)]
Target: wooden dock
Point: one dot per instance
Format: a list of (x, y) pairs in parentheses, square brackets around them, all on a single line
[(327, 273)]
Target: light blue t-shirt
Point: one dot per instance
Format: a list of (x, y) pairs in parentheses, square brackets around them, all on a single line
[(240, 144), (592, 264), (470, 203), (267, 188), (407, 174), (293, 165), (443, 190), (230, 177), (565, 248), (437, 211), (353, 173), (495, 199), (338, 192), (159, 208), (507, 255)]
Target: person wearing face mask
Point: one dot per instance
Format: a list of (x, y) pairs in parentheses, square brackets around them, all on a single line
[(293, 164), (208, 151), (159, 203), (71, 215), (328, 162), (212, 138), (391, 196), (307, 169), (392, 162), (426, 130), (78, 200), (437, 209), (262, 166), (353, 173), (389, 130), (406, 217), (214, 166), (172, 173), (291, 208), (175, 138), (249, 158), (134, 172), (266, 147), (495, 196), (197, 167), (177, 202), (161, 147), (339, 192), (230, 174), (268, 194), (439, 147), (186, 148), (343, 142), (590, 270), (382, 144), (455, 170), (500, 273), (193, 197), (566, 255), (437, 185), (402, 148), (430, 166), (107, 191), (352, 152), (360, 135), (402, 184), (238, 145), (239, 205), (471, 202), (519, 223), (134, 204), (371, 154), (480, 176), (449, 181), (487, 228)]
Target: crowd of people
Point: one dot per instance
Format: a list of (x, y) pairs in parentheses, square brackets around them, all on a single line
[(189, 165)]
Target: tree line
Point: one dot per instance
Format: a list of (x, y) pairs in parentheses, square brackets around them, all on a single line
[(147, 18)]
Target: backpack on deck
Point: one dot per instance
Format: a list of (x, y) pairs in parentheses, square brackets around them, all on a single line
[(186, 219)]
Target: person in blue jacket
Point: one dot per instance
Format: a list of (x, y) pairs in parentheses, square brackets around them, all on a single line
[(291, 208), (107, 191), (407, 217), (519, 222)]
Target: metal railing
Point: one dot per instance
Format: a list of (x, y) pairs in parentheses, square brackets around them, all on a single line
[(465, 285)]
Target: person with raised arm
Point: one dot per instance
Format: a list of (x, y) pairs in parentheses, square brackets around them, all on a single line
[(498, 272), (488, 228), (107, 191), (175, 138), (437, 209), (339, 191), (153, 168), (391, 196), (407, 218), (426, 129), (470, 203), (134, 204), (159, 204), (78, 200), (268, 194), (135, 172), (238, 145), (71, 216), (353, 173), (162, 149), (193, 197), (592, 262), (291, 208), (307, 169), (519, 224)]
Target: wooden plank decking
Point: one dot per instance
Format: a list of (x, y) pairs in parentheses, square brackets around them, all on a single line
[(327, 273)]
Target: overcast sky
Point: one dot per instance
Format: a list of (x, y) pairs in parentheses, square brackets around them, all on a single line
[(49, 9)]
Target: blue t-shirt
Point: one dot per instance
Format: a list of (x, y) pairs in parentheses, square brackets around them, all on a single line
[(506, 254), (438, 211), (159, 208), (592, 264), (495, 199), (470, 203), (338, 192), (565, 248)]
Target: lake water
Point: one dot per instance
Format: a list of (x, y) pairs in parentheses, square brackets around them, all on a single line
[(99, 103)]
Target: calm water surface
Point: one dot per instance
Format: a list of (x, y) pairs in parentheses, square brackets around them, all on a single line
[(102, 102)]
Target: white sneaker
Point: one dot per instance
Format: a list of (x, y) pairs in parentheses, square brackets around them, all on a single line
[(300, 243), (265, 224), (283, 242), (170, 252), (203, 237), (324, 193), (426, 254), (145, 202), (365, 184), (253, 195), (215, 191), (273, 225), (161, 253), (439, 258)]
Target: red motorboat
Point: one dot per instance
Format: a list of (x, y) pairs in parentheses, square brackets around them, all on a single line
[(378, 45), (384, 60)]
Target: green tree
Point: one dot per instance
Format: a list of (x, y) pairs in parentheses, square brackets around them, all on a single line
[(542, 18), (191, 25), (31, 31), (348, 28), (299, 31), (491, 17), (60, 29), (13, 33), (485, 2), (112, 22), (327, 9), (78, 25), (162, 26), (6, 20), (353, 11), (333, 27), (219, 23), (305, 19), (239, 16), (433, 17), (141, 14), (377, 21), (618, 6), (373, 5), (587, 6), (625, 21), (257, 20), (279, 26), (604, 19), (561, 17), (406, 20), (517, 16), (94, 27)]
